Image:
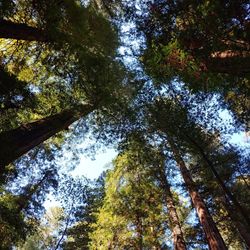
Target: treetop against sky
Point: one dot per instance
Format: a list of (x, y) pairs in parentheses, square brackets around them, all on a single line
[(157, 92)]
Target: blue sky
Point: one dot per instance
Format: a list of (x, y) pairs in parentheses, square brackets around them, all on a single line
[(92, 168)]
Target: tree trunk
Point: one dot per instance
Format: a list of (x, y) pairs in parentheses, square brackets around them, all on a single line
[(233, 61), (212, 233), (220, 182), (21, 31), (16, 142), (179, 242), (230, 62)]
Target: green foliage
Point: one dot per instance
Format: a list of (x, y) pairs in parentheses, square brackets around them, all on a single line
[(70, 58), (19, 213), (204, 45), (132, 215), (45, 234)]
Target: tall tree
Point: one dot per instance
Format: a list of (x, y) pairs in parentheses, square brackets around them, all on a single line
[(205, 45), (210, 142), (32, 21), (141, 163), (214, 238), (188, 138), (155, 164), (178, 238), (78, 234), (230, 219), (26, 137), (133, 205), (21, 205), (96, 90)]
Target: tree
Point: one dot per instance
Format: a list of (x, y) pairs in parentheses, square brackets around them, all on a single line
[(214, 238), (178, 238), (88, 87), (78, 234), (26, 137), (139, 169), (59, 46), (44, 236), (21, 206), (227, 217), (132, 214), (73, 194), (179, 138), (155, 164), (205, 45), (217, 43), (32, 21)]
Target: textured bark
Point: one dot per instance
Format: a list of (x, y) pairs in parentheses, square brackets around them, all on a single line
[(14, 143), (212, 233), (220, 182), (179, 242), (230, 62), (233, 61), (21, 31)]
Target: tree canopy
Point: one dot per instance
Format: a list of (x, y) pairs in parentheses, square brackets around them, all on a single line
[(165, 83)]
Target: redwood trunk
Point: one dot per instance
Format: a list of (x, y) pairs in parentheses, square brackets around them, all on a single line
[(21, 31), (212, 233), (179, 242), (14, 143), (220, 182), (233, 65)]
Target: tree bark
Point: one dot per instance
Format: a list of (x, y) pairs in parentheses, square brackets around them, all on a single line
[(21, 31), (220, 182), (229, 62), (212, 233), (179, 242), (235, 60), (16, 142)]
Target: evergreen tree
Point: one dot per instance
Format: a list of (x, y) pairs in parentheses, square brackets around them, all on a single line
[(78, 235), (203, 44), (132, 214)]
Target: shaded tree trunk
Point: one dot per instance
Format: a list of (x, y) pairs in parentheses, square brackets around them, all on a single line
[(220, 182), (212, 233), (179, 242), (21, 31), (229, 62), (235, 60), (16, 142)]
